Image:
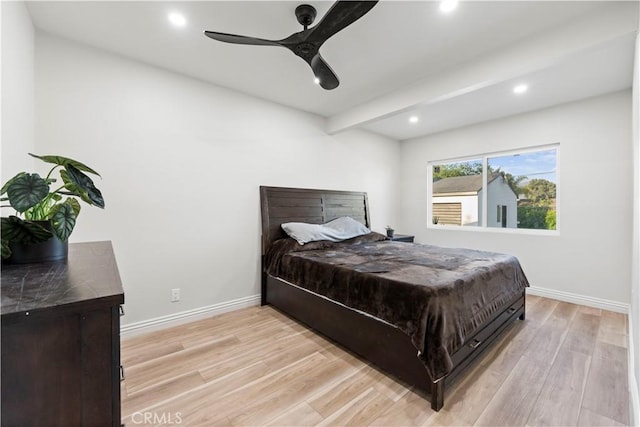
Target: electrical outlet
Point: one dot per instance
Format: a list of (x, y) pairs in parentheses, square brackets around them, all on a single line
[(175, 295)]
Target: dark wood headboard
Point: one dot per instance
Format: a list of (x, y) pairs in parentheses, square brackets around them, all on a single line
[(280, 205)]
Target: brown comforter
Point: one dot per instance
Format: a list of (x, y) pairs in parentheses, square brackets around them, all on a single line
[(438, 296)]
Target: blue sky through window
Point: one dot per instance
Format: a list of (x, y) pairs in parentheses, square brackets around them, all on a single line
[(534, 165)]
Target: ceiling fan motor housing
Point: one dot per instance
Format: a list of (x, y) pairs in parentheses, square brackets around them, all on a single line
[(305, 14)]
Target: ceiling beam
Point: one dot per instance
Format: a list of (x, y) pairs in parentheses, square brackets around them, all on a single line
[(533, 54)]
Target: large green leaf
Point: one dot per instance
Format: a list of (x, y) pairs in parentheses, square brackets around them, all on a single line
[(26, 190), (63, 220), (15, 229), (73, 189), (65, 161), (75, 205), (82, 186), (8, 183)]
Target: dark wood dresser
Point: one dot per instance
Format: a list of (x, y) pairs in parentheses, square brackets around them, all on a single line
[(61, 340)]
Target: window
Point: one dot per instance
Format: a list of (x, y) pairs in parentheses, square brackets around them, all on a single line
[(454, 193), (516, 190)]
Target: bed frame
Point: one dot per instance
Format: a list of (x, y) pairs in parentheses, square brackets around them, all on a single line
[(375, 340)]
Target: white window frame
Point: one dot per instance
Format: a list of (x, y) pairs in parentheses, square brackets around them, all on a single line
[(483, 228)]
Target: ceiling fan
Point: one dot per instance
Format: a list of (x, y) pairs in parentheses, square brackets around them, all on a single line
[(306, 43)]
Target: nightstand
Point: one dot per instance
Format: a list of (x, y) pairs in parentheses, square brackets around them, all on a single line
[(402, 238)]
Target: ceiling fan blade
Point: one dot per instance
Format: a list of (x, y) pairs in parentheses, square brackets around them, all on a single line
[(324, 73), (236, 39), (341, 15)]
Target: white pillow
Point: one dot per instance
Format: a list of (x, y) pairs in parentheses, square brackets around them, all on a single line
[(339, 229)]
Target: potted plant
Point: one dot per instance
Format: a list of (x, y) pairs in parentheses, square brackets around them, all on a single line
[(390, 232), (45, 216)]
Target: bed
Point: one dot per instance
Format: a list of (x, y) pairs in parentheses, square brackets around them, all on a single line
[(424, 333)]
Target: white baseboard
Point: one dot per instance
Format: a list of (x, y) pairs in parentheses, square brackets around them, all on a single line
[(175, 319), (634, 399), (600, 303), (634, 405)]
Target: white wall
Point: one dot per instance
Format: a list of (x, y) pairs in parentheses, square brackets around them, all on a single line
[(590, 256), (182, 162), (634, 315), (17, 89)]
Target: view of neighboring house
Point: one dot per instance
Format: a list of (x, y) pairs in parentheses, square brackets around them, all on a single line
[(458, 201)]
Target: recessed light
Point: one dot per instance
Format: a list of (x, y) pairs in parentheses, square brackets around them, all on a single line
[(447, 6), (519, 89), (177, 19), (413, 119)]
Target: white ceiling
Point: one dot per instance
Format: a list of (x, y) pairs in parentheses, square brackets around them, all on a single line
[(401, 59)]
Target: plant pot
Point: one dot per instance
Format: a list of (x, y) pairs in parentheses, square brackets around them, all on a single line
[(390, 233), (53, 249)]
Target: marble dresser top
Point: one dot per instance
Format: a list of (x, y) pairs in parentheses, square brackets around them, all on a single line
[(89, 274)]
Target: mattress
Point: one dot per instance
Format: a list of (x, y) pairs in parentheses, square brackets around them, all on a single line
[(437, 296)]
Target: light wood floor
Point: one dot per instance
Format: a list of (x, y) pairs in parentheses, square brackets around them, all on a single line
[(564, 365)]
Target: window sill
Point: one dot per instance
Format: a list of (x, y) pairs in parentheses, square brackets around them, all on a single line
[(499, 230)]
